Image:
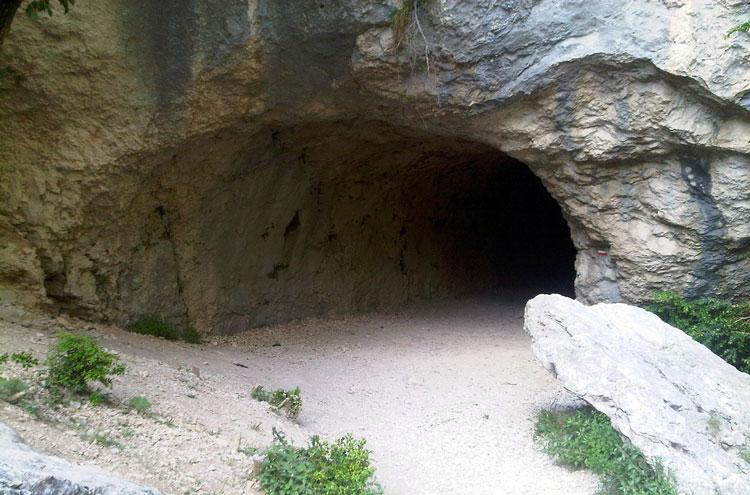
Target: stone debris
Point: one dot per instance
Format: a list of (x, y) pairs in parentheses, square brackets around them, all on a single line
[(671, 396)]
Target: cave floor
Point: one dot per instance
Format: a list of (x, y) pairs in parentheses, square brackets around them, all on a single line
[(445, 394)]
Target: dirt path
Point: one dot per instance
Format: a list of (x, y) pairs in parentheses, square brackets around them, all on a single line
[(444, 393)]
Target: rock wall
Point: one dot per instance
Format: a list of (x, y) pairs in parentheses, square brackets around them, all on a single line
[(228, 164)]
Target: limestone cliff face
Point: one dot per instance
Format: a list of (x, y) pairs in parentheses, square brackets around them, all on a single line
[(238, 162)]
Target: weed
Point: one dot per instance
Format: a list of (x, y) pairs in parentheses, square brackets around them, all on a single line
[(151, 325), (25, 359), (256, 426), (163, 420), (10, 387), (32, 408), (584, 438), (76, 360), (713, 425), (280, 399), (341, 468), (720, 325), (249, 451), (4, 358), (127, 433), (139, 404), (744, 27), (105, 440), (191, 396), (99, 397), (744, 452), (401, 18)]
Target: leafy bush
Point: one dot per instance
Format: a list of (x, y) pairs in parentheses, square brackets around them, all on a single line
[(151, 325), (191, 336), (289, 400), (341, 468), (10, 387), (585, 439), (76, 360), (139, 403), (720, 325)]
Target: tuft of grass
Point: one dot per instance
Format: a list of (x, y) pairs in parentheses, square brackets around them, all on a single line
[(340, 468), (585, 439), (713, 425), (156, 327), (99, 397), (11, 386), (105, 440), (76, 360), (127, 432), (139, 404), (720, 325), (280, 399)]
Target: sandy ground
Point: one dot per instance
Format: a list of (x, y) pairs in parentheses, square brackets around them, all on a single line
[(445, 394)]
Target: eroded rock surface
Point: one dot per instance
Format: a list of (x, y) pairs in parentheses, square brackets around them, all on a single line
[(24, 471), (671, 396), (157, 165)]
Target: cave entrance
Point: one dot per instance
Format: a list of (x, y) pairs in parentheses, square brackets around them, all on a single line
[(346, 217), (487, 223)]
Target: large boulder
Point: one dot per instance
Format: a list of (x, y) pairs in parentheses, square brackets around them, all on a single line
[(24, 471), (671, 396)]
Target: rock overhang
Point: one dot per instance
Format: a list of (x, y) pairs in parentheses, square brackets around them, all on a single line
[(606, 109)]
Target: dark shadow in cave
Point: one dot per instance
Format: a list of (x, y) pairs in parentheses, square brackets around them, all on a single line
[(501, 226)]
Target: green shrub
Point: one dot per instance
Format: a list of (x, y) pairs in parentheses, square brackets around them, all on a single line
[(585, 439), (191, 336), (76, 360), (151, 325), (341, 468), (139, 403), (720, 325), (288, 400), (10, 387)]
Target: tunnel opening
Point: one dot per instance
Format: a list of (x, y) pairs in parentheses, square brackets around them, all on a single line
[(504, 226), (340, 218)]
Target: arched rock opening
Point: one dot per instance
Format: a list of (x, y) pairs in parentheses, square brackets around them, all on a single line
[(337, 217)]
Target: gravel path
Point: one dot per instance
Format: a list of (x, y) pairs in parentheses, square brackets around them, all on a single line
[(445, 393)]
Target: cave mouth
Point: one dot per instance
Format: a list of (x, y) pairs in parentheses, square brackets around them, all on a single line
[(501, 213), (343, 217)]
